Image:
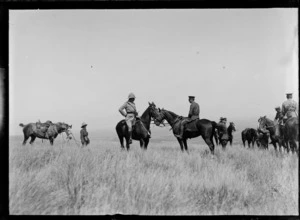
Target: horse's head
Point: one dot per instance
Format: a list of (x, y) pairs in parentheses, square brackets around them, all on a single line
[(263, 124), (153, 110), (232, 126), (160, 117), (64, 127)]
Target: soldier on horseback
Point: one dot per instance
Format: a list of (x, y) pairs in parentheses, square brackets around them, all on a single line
[(279, 115), (289, 108), (193, 114)]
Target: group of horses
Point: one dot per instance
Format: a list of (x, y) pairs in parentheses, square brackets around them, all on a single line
[(200, 127), (284, 135)]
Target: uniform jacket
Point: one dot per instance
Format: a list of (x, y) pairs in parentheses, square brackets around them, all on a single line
[(194, 111), (289, 108), (129, 108)]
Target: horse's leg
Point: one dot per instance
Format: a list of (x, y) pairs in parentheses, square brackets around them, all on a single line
[(25, 139), (146, 143), (274, 144), (180, 143), (127, 142), (210, 144), (32, 139), (248, 143), (121, 139), (293, 146), (185, 145), (51, 139), (142, 143)]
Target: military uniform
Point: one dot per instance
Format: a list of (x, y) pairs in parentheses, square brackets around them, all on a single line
[(194, 111), (193, 115), (130, 114), (84, 135), (289, 108)]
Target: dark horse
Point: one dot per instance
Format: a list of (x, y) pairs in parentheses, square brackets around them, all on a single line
[(230, 129), (46, 130), (291, 133), (250, 135), (139, 130), (202, 127), (276, 135)]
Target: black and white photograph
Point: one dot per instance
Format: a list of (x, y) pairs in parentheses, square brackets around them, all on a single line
[(152, 112)]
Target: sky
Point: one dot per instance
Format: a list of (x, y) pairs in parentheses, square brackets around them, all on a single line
[(80, 65)]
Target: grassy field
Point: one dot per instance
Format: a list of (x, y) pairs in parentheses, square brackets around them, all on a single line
[(103, 179)]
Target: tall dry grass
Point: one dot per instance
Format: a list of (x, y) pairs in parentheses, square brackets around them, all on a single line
[(102, 179)]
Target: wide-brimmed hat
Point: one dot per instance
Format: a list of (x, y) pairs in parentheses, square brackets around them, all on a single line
[(191, 97), (289, 93), (277, 107), (83, 124)]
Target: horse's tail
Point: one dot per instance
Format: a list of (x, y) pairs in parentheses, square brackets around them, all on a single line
[(22, 125)]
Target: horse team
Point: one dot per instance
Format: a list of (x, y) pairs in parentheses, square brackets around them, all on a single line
[(286, 136)]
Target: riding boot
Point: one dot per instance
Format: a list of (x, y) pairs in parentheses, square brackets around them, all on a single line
[(130, 137)]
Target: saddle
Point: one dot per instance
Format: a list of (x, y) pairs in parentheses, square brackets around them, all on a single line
[(42, 128), (189, 125)]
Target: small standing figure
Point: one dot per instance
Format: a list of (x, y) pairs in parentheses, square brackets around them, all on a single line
[(84, 135), (222, 127)]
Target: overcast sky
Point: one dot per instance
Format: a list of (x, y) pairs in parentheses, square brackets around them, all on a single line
[(80, 65)]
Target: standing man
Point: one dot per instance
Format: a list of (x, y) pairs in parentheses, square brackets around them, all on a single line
[(84, 135), (222, 127), (130, 114), (289, 107), (193, 114)]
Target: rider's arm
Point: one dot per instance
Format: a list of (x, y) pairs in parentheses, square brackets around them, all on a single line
[(122, 108)]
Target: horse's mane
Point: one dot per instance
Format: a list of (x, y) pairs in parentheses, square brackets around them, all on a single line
[(170, 112)]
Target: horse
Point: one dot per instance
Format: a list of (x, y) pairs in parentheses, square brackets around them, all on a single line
[(47, 130), (203, 127), (262, 140), (291, 133), (276, 135), (250, 135), (230, 129), (139, 130)]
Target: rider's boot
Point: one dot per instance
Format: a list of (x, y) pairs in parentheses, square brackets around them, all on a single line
[(130, 137)]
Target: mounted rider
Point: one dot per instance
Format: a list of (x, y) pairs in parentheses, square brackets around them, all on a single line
[(289, 107), (130, 115), (193, 114)]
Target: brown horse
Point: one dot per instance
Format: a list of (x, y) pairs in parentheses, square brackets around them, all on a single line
[(291, 133), (250, 135), (47, 130), (139, 131), (266, 125), (198, 127)]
